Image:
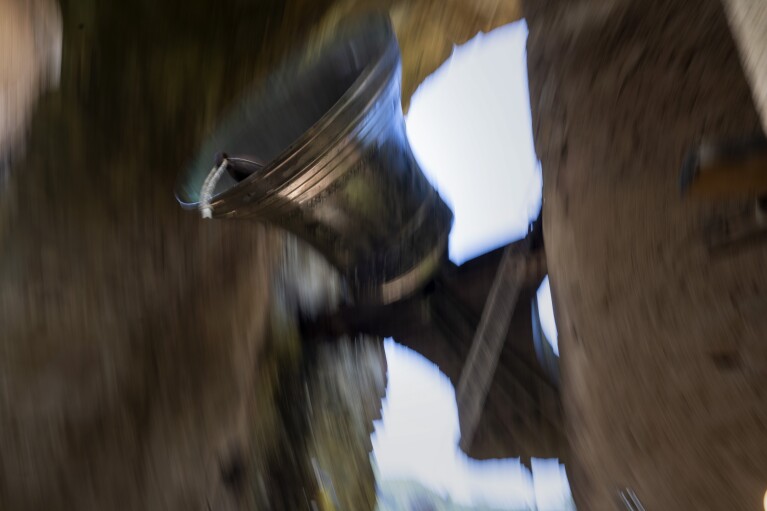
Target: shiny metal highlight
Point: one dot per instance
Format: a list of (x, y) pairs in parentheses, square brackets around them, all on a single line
[(338, 170)]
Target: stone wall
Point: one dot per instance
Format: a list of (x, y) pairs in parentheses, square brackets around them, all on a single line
[(662, 341), (30, 35), (143, 354), (748, 20)]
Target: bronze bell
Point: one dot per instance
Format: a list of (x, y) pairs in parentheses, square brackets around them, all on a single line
[(320, 149)]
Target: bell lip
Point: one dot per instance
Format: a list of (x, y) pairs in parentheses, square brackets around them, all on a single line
[(381, 69), (410, 281)]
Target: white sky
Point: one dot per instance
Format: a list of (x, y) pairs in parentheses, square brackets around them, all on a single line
[(418, 437), (546, 313), (470, 128)]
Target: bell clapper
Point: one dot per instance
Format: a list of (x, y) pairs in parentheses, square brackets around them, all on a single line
[(209, 185)]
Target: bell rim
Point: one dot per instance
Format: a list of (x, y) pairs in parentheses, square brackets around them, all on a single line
[(372, 82)]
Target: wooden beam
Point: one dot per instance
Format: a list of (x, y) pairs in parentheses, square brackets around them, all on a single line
[(477, 374)]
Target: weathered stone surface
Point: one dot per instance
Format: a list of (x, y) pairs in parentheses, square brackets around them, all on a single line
[(662, 343), (748, 20), (142, 354), (30, 38), (308, 440)]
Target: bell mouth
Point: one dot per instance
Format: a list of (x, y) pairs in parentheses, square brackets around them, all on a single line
[(293, 117)]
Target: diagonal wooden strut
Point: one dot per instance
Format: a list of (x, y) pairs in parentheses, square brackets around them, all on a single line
[(479, 369)]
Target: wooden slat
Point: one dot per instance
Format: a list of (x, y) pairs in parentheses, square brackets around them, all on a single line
[(477, 374)]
